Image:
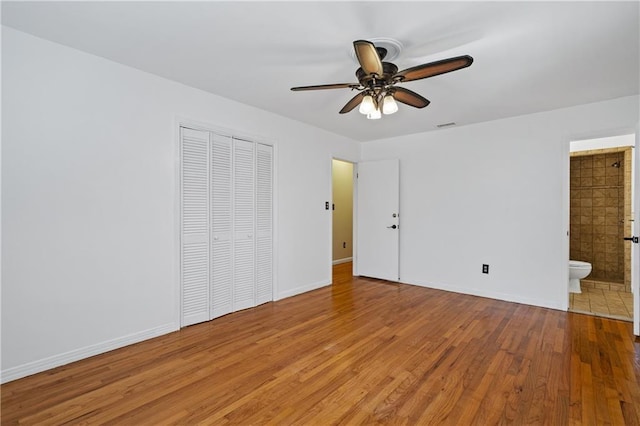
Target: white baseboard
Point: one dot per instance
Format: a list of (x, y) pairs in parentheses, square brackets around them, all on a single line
[(302, 289), (41, 365), (345, 260), (490, 294)]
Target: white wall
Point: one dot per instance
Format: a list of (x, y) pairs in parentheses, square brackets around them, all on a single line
[(602, 143), (494, 193), (89, 200)]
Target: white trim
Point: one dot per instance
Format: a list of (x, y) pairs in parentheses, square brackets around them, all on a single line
[(551, 304), (356, 214), (331, 205), (177, 221), (302, 289), (345, 260), (635, 248), (566, 225), (38, 366), (274, 220)]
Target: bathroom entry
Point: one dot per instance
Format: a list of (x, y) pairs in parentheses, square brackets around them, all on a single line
[(600, 216), (342, 205)]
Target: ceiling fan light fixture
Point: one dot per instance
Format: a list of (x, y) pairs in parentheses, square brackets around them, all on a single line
[(367, 106), (375, 114), (389, 105)]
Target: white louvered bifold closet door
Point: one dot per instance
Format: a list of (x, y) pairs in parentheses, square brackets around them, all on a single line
[(226, 232), (221, 226), (194, 238), (264, 223), (244, 225)]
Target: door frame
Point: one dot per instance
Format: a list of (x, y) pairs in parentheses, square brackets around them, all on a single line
[(356, 215), (354, 219), (635, 248), (635, 185)]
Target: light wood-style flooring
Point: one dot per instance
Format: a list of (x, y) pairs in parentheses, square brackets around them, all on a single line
[(361, 351)]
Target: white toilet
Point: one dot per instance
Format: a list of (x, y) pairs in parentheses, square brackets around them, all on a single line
[(577, 271)]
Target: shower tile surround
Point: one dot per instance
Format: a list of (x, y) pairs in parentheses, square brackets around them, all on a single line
[(600, 213)]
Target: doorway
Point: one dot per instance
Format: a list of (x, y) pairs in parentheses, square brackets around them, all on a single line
[(342, 211), (600, 200)]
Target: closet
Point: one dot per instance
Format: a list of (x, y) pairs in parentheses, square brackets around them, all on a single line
[(226, 235)]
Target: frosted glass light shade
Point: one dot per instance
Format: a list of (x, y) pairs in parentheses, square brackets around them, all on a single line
[(375, 114), (367, 106), (389, 105)]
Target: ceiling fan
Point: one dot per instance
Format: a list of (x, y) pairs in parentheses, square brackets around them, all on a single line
[(377, 81)]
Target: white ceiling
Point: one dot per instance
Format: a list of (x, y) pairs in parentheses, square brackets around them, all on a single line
[(529, 56)]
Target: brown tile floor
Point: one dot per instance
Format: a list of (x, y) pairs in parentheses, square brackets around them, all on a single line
[(602, 302)]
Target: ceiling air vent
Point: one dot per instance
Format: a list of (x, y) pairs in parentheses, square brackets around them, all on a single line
[(439, 126)]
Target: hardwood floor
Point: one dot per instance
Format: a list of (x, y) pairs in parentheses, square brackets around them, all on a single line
[(361, 351)]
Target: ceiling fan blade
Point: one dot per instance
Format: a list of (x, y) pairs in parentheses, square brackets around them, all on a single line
[(409, 97), (368, 57), (326, 86), (434, 68), (354, 102)]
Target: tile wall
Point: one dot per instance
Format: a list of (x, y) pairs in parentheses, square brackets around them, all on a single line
[(600, 207)]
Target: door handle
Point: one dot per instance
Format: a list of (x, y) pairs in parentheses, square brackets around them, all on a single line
[(633, 239), (392, 227)]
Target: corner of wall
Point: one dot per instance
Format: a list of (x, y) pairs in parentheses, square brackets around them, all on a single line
[(302, 289)]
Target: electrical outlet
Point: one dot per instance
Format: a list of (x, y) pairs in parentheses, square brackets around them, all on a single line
[(485, 268), (344, 245), (326, 205)]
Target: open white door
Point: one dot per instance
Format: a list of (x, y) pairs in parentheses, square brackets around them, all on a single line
[(635, 250), (378, 219)]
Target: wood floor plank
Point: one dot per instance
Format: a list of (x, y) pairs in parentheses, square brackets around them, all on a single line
[(361, 351)]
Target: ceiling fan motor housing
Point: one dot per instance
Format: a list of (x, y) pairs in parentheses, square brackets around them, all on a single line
[(388, 71), (376, 86)]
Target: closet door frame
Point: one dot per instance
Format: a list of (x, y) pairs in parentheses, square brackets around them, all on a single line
[(180, 122)]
